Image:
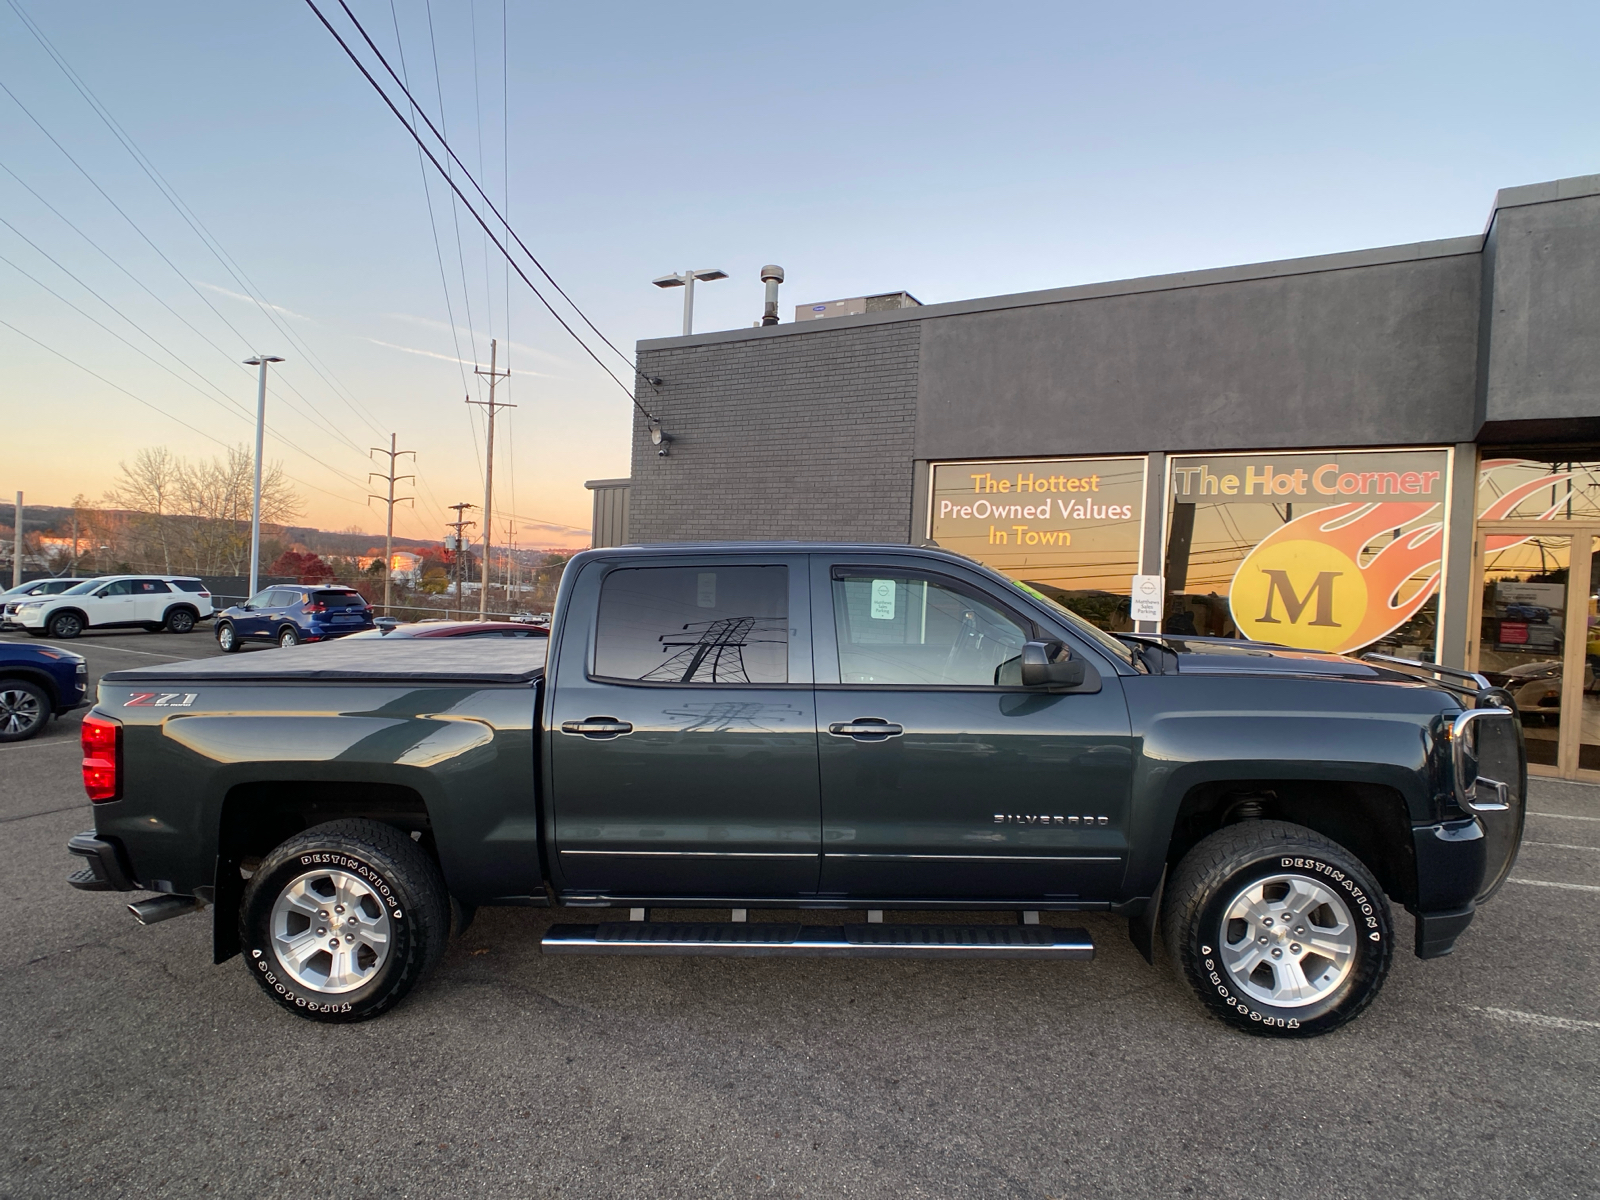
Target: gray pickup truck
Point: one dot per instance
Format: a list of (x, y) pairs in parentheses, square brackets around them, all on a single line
[(831, 731)]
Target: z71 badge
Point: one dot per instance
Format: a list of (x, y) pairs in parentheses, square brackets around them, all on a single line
[(161, 700)]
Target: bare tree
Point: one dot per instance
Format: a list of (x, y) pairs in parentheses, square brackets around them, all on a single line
[(147, 488)]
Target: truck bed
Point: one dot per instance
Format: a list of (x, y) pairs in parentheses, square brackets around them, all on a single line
[(368, 660)]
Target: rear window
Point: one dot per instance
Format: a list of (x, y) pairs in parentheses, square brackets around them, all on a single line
[(727, 625), (190, 585), (339, 600)]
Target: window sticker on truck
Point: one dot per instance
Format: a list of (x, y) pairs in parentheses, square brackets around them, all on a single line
[(161, 700)]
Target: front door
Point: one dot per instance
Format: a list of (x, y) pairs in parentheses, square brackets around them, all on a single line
[(114, 604), (253, 619), (683, 740), (941, 777)]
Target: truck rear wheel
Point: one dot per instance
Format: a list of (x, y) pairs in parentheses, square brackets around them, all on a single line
[(340, 922), (1281, 932)]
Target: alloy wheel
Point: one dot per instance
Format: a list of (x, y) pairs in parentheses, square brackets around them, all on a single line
[(330, 931), (1287, 940), (20, 711)]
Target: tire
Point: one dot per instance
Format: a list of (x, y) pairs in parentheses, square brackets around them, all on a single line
[(65, 626), (392, 890), (180, 620), (288, 636), (24, 710), (227, 639), (1222, 921)]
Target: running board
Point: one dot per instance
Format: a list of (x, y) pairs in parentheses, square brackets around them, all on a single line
[(762, 939)]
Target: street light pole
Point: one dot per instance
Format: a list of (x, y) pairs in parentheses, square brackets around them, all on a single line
[(686, 282), (260, 360)]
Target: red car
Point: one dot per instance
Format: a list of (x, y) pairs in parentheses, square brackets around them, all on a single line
[(451, 629)]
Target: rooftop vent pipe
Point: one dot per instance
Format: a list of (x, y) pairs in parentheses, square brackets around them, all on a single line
[(772, 277)]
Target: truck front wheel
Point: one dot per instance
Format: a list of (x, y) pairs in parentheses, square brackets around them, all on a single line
[(340, 922), (1282, 932)]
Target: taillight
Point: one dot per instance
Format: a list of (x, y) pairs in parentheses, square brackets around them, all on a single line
[(102, 757), (316, 608)]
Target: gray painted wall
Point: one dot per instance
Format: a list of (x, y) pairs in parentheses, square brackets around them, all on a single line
[(780, 438), (1368, 355), (1543, 361)]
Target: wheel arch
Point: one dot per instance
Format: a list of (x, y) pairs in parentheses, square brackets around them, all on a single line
[(181, 605), (255, 817), (68, 608), (34, 675), (1369, 819)]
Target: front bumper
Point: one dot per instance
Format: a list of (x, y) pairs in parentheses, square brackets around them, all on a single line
[(1452, 859), (106, 866)]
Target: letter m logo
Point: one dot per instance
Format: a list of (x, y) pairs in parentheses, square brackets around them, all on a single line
[(1321, 590)]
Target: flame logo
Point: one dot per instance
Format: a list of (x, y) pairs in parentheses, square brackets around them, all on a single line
[(1306, 583), (1319, 583)]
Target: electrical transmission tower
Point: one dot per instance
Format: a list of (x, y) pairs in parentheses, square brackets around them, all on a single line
[(488, 470), (460, 542), (711, 651), (391, 500)]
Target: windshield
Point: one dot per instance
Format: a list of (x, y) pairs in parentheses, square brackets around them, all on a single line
[(84, 588), (1078, 625)]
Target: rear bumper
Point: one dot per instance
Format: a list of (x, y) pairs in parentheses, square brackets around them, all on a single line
[(105, 866)]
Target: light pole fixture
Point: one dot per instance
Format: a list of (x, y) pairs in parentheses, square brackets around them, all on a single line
[(686, 281), (260, 360)]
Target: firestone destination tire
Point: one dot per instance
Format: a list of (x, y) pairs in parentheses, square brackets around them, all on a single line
[(342, 921), (1281, 932)]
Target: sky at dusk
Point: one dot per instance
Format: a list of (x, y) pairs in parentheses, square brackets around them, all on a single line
[(953, 150)]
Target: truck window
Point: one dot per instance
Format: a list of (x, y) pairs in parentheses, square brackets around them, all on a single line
[(905, 629), (726, 625)]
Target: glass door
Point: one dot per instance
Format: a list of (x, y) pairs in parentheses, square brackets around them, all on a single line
[(1534, 637)]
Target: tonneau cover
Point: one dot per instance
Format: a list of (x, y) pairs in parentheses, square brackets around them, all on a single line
[(425, 660)]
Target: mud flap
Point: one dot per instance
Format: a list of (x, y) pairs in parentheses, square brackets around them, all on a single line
[(1142, 928)]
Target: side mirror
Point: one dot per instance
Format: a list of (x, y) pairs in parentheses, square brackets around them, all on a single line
[(248, 607), (1048, 664)]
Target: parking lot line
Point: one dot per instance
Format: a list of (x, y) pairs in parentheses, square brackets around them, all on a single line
[(1539, 1019), (1561, 846), (1575, 887), (119, 649), (1561, 816)]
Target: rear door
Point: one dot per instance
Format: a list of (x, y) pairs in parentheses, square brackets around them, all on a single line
[(151, 597), (683, 740), (942, 777)]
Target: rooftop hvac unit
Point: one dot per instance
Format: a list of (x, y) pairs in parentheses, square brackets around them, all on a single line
[(883, 302)]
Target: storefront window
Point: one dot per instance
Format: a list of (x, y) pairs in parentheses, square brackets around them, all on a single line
[(1523, 489), (1329, 550), (1069, 527)]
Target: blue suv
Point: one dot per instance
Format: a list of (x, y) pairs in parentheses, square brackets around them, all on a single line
[(289, 615), (37, 682)]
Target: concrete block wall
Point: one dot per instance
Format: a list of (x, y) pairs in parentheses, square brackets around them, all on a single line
[(780, 438)]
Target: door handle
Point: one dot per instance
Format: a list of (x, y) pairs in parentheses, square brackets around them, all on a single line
[(866, 729), (597, 728)]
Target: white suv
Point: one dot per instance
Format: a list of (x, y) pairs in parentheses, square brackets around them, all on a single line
[(38, 587), (170, 602)]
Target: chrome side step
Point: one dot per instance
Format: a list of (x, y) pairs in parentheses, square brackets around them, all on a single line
[(762, 939)]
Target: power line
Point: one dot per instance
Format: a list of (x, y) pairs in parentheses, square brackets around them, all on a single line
[(475, 214), (169, 193)]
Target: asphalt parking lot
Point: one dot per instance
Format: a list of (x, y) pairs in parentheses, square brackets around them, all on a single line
[(132, 1066)]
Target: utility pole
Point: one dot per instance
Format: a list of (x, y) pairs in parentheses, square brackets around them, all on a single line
[(460, 542), (260, 360), (488, 472), (388, 536), (513, 575), (16, 548)]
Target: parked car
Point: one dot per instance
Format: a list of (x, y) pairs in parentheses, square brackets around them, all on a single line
[(171, 602), (36, 683), (817, 727), (291, 614), (456, 629), (37, 587), (1536, 686)]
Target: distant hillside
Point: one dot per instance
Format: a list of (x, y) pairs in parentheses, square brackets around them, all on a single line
[(55, 520)]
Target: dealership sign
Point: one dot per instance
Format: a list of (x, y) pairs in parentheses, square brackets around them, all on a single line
[(1352, 547), (1072, 523)]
